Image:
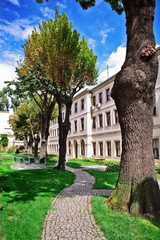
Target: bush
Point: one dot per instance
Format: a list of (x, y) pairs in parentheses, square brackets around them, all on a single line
[(17, 151), (21, 148), (112, 166), (158, 168), (10, 150), (53, 157)]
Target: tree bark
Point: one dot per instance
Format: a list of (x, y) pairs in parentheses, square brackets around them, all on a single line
[(25, 144), (36, 141), (30, 144), (63, 132), (137, 189), (45, 121)]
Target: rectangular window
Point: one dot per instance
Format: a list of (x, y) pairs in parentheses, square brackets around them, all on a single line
[(100, 121), (118, 149), (75, 125), (94, 100), (94, 122), (101, 148), (108, 94), (109, 149), (108, 118), (82, 123), (94, 148), (75, 108), (116, 117), (155, 148), (100, 97), (82, 104)]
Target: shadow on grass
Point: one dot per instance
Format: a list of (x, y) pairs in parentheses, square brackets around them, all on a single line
[(74, 165), (28, 184)]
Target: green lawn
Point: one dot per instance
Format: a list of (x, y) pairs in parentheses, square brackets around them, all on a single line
[(26, 196), (104, 180), (122, 226), (78, 163)]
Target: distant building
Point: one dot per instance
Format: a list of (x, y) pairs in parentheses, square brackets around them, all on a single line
[(6, 129), (95, 130)]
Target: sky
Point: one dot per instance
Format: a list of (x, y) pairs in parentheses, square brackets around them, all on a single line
[(103, 28)]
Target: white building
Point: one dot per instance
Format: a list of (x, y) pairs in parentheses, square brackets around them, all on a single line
[(5, 128), (95, 131)]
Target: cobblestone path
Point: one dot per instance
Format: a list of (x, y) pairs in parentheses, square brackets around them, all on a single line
[(70, 215)]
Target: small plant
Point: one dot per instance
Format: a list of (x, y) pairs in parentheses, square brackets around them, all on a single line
[(4, 140), (112, 166), (17, 151), (10, 150), (158, 168), (21, 148)]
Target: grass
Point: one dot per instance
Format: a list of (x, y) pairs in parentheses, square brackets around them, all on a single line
[(122, 226), (104, 180), (26, 196), (78, 163)]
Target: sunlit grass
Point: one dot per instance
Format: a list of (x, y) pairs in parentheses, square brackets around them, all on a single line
[(123, 226), (26, 196)]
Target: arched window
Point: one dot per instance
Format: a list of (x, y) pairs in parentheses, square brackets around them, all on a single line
[(82, 147)]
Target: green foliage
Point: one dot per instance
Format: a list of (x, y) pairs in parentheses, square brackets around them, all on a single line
[(158, 168), (17, 151), (10, 150), (4, 103), (112, 166), (119, 226), (21, 148), (26, 197), (4, 140)]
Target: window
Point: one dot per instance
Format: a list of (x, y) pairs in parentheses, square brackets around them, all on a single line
[(82, 104), (101, 148), (75, 125), (108, 94), (100, 97), (155, 148), (118, 149), (75, 107), (100, 121), (94, 122), (109, 149), (94, 100), (94, 148), (69, 147), (116, 117), (82, 147), (108, 118), (82, 123)]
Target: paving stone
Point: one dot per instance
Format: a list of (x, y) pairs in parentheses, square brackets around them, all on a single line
[(69, 217)]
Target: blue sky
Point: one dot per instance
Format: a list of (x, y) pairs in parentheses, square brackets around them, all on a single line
[(103, 28)]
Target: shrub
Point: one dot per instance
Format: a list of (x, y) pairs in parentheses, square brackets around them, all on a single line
[(10, 150), (17, 151), (112, 166), (21, 148), (158, 168), (53, 157)]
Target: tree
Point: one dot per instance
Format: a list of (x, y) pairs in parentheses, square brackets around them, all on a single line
[(134, 88), (4, 140), (4, 103), (25, 124), (68, 63)]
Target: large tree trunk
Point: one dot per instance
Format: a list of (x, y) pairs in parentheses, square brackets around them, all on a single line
[(63, 133), (25, 144), (137, 189)]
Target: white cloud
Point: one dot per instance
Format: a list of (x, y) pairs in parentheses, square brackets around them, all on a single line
[(15, 2), (11, 58), (7, 73), (91, 41), (157, 45), (104, 34), (61, 5), (114, 62), (20, 29), (47, 12)]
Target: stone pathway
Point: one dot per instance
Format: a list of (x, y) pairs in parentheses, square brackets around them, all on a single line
[(69, 217), (22, 166)]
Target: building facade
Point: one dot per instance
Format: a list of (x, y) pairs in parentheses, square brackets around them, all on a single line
[(95, 130)]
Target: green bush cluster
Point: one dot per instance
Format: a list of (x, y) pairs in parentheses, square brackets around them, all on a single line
[(53, 157), (10, 150), (158, 168), (17, 151), (112, 166)]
